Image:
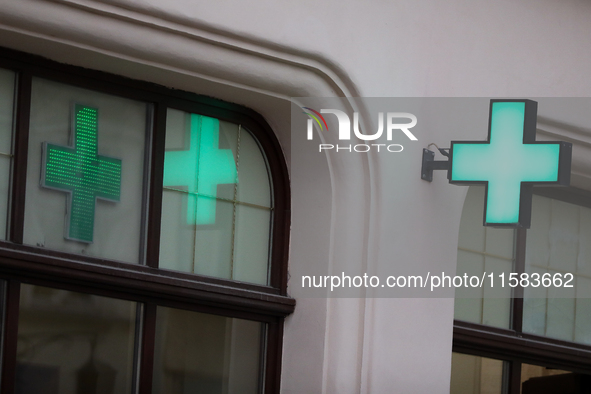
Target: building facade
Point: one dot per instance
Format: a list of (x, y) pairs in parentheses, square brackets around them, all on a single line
[(157, 67)]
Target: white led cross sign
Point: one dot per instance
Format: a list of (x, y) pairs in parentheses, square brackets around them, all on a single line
[(510, 163)]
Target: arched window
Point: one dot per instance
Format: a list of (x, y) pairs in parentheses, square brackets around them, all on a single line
[(528, 337), (145, 237), (217, 202)]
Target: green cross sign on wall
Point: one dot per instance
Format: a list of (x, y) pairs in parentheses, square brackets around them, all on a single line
[(510, 162), (82, 173), (200, 169)]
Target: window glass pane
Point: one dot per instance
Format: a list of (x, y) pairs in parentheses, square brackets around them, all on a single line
[(254, 186), (202, 353), (7, 83), (2, 318), (70, 343), (251, 244), (483, 249), (216, 203), (87, 148), (468, 301), (475, 375), (558, 243)]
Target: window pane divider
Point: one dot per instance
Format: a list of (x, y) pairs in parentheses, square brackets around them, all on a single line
[(517, 306), (156, 181), (10, 336), (19, 164), (148, 338), (233, 201), (503, 344), (273, 359), (514, 378), (485, 254), (31, 263)]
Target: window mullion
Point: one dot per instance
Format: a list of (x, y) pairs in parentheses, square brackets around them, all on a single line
[(10, 336), (517, 307), (146, 359), (274, 333), (514, 381), (20, 151), (156, 177)]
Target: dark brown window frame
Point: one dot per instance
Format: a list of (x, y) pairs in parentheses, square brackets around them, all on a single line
[(514, 346), (145, 284)]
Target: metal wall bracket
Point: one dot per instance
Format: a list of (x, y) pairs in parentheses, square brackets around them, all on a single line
[(430, 164)]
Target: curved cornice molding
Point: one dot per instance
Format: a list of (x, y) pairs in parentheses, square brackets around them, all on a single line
[(310, 74), (329, 71)]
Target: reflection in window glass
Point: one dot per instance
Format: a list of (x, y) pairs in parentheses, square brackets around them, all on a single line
[(2, 315), (7, 84), (87, 148), (202, 353), (475, 375), (559, 242), (216, 202), (71, 343), (483, 249), (536, 379)]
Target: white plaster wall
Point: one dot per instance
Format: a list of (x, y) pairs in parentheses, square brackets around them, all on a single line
[(262, 53), (418, 47)]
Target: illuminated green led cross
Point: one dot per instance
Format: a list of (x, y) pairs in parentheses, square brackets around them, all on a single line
[(83, 173), (510, 162), (200, 169)]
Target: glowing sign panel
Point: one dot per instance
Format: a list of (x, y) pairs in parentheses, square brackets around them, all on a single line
[(510, 163), (200, 169), (82, 173)]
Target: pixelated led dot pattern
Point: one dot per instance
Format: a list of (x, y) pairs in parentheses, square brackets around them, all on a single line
[(83, 172)]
